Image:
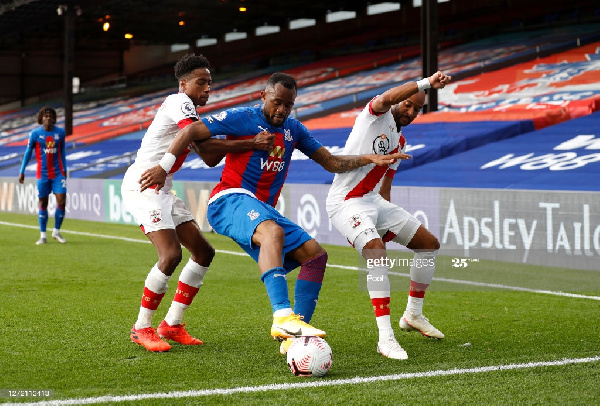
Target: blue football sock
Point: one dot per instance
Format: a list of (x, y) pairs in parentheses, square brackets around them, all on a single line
[(43, 219), (59, 215), (305, 298), (308, 286), (277, 288)]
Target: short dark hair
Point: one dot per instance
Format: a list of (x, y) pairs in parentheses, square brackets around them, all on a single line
[(284, 79), (189, 63), (44, 110)]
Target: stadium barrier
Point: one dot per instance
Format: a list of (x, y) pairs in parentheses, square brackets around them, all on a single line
[(550, 228)]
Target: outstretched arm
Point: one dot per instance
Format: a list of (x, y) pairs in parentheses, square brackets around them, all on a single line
[(396, 94), (345, 163), (213, 150)]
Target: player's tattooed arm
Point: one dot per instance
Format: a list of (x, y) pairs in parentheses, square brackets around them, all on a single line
[(345, 163)]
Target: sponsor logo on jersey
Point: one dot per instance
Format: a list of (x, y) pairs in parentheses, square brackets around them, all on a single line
[(50, 146), (253, 214), (274, 163), (277, 152), (271, 165), (155, 216), (287, 135), (188, 109), (381, 145)]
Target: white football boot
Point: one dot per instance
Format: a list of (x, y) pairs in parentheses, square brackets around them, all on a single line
[(390, 348), (411, 322), (56, 235)]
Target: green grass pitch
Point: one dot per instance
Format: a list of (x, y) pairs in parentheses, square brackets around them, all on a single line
[(66, 311)]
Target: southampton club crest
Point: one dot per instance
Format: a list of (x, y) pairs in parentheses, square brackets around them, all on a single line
[(155, 216), (355, 220), (381, 145)]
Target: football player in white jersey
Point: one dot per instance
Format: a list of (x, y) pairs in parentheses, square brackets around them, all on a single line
[(164, 218), (359, 206)]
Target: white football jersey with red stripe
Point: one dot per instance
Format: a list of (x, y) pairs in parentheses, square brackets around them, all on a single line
[(372, 134), (176, 112)]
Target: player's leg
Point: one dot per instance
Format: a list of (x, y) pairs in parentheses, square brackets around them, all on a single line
[(153, 212), (190, 281), (253, 225), (378, 285), (426, 247), (43, 193), (266, 236), (356, 219), (313, 260), (269, 237), (60, 192), (155, 286)]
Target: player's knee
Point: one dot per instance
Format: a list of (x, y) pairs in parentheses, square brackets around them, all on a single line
[(374, 244), (169, 260), (268, 232), (206, 255)]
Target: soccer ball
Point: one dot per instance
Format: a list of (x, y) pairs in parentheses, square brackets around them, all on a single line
[(309, 356)]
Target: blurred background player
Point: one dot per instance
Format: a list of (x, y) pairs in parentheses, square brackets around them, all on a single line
[(359, 207), (164, 218), (241, 206), (48, 142)]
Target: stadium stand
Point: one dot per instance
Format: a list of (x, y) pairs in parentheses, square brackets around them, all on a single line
[(109, 131), (560, 157)]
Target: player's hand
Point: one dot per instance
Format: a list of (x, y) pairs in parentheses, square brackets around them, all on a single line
[(153, 176), (21, 177), (439, 80), (381, 160), (264, 141)]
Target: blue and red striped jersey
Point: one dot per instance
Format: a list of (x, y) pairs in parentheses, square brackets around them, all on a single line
[(49, 147), (261, 172)]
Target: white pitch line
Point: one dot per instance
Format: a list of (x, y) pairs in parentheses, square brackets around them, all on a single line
[(354, 268), (311, 384)]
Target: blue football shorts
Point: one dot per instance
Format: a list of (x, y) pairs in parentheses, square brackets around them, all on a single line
[(47, 186), (236, 215)]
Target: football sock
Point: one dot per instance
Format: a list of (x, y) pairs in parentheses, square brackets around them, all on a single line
[(277, 288), (283, 312), (415, 304), (43, 219), (43, 234), (308, 286), (154, 290), (59, 215), (378, 285), (381, 306), (421, 274), (189, 283)]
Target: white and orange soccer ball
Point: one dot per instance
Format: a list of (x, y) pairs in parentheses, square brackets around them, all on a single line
[(309, 356)]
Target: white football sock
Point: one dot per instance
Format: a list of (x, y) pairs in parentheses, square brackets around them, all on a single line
[(156, 281), (192, 274)]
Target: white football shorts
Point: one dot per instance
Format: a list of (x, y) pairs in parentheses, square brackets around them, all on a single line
[(363, 219), (155, 212)]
